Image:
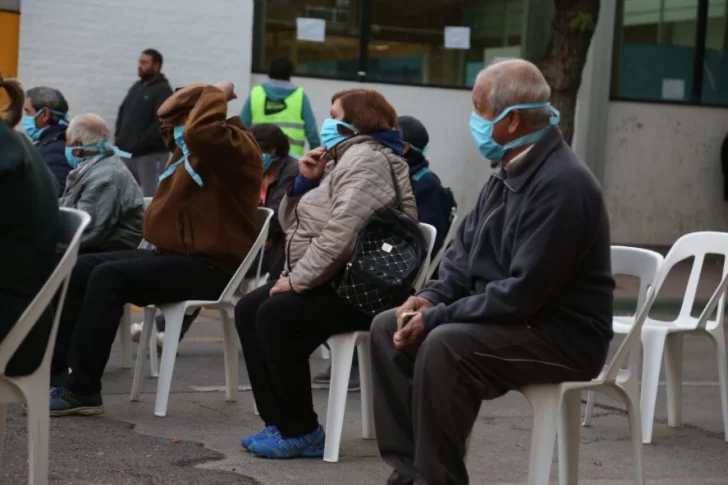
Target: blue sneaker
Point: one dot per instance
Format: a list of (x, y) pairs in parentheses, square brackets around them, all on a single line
[(307, 446), (268, 432), (66, 403)]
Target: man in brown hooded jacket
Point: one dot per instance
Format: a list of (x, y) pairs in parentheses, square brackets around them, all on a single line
[(201, 222)]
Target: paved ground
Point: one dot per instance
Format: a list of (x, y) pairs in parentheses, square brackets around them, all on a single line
[(198, 441)]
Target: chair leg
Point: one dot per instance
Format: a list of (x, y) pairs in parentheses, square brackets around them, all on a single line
[(172, 330), (674, 377), (722, 378), (152, 342), (653, 342), (230, 351), (546, 404), (342, 351), (367, 396), (635, 428), (147, 327), (325, 354), (569, 431), (38, 404), (589, 410), (124, 334), (2, 429)]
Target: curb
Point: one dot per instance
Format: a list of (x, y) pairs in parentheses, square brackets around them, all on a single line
[(661, 305)]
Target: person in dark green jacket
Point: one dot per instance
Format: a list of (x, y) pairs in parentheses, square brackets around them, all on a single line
[(30, 229)]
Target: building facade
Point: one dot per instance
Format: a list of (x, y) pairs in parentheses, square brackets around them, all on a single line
[(651, 115)]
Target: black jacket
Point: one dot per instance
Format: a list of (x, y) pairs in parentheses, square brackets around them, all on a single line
[(137, 125), (30, 229), (275, 257), (52, 145), (724, 165), (535, 250)]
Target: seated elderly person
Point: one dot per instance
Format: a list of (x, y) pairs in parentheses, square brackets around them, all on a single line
[(101, 185), (524, 296), (339, 187), (45, 122), (202, 223)]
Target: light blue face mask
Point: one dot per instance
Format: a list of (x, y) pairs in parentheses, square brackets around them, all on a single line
[(268, 160), (482, 131), (34, 132), (180, 141), (330, 136), (99, 148)]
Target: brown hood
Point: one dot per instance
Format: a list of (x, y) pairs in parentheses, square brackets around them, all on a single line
[(175, 110)]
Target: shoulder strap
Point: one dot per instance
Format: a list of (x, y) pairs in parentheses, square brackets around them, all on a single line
[(416, 177), (398, 195)]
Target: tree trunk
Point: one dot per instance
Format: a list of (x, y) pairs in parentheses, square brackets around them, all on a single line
[(571, 32)]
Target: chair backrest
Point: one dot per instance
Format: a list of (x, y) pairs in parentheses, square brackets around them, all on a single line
[(263, 216), (429, 232), (147, 202), (644, 265), (73, 223), (697, 245), (445, 244)]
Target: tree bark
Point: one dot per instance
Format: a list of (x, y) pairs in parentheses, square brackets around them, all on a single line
[(571, 32)]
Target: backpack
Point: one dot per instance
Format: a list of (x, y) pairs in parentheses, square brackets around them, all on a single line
[(389, 252)]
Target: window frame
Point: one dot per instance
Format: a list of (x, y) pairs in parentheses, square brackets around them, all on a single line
[(696, 93), (365, 30)]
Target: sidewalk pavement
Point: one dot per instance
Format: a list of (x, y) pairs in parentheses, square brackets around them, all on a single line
[(198, 440)]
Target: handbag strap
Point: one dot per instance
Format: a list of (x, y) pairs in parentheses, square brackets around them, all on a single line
[(398, 195)]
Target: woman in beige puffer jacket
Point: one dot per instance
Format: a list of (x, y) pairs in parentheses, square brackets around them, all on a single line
[(280, 324)]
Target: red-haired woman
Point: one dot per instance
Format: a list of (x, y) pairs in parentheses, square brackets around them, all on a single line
[(340, 185)]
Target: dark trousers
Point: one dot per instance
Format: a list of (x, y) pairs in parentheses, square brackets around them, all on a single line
[(101, 284), (278, 335), (426, 402)]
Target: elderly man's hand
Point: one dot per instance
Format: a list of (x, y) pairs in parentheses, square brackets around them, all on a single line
[(228, 88), (412, 335), (282, 286), (413, 304)]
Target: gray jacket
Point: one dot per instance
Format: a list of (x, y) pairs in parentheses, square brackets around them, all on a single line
[(106, 190), (322, 226), (535, 248)]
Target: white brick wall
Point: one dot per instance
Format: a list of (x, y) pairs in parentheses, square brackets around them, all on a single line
[(89, 48)]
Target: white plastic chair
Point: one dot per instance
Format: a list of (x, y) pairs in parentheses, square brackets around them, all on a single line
[(33, 390), (124, 332), (557, 408), (445, 245), (174, 313), (644, 265), (660, 337), (342, 352)]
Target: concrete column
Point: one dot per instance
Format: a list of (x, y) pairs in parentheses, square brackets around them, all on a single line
[(592, 107)]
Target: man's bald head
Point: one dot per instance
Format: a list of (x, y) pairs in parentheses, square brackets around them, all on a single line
[(510, 82), (88, 129)]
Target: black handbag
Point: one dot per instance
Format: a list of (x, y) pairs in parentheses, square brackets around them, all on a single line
[(389, 252)]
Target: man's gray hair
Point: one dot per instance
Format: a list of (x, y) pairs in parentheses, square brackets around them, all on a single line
[(89, 129), (516, 81), (44, 97)]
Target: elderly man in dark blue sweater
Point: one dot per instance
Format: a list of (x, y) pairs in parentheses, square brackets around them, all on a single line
[(524, 295)]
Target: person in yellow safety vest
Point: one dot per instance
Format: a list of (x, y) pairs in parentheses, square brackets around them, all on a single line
[(282, 103)]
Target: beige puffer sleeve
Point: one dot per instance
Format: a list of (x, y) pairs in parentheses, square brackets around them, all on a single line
[(361, 184)]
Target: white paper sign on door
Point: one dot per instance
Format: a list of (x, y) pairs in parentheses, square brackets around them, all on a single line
[(312, 30), (457, 38), (673, 89)]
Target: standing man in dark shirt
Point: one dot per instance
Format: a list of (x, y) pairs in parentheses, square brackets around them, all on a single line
[(137, 125)]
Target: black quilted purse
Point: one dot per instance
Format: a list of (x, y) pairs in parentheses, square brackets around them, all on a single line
[(389, 251)]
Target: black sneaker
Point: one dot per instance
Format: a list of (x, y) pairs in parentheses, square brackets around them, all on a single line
[(66, 403), (324, 378)]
